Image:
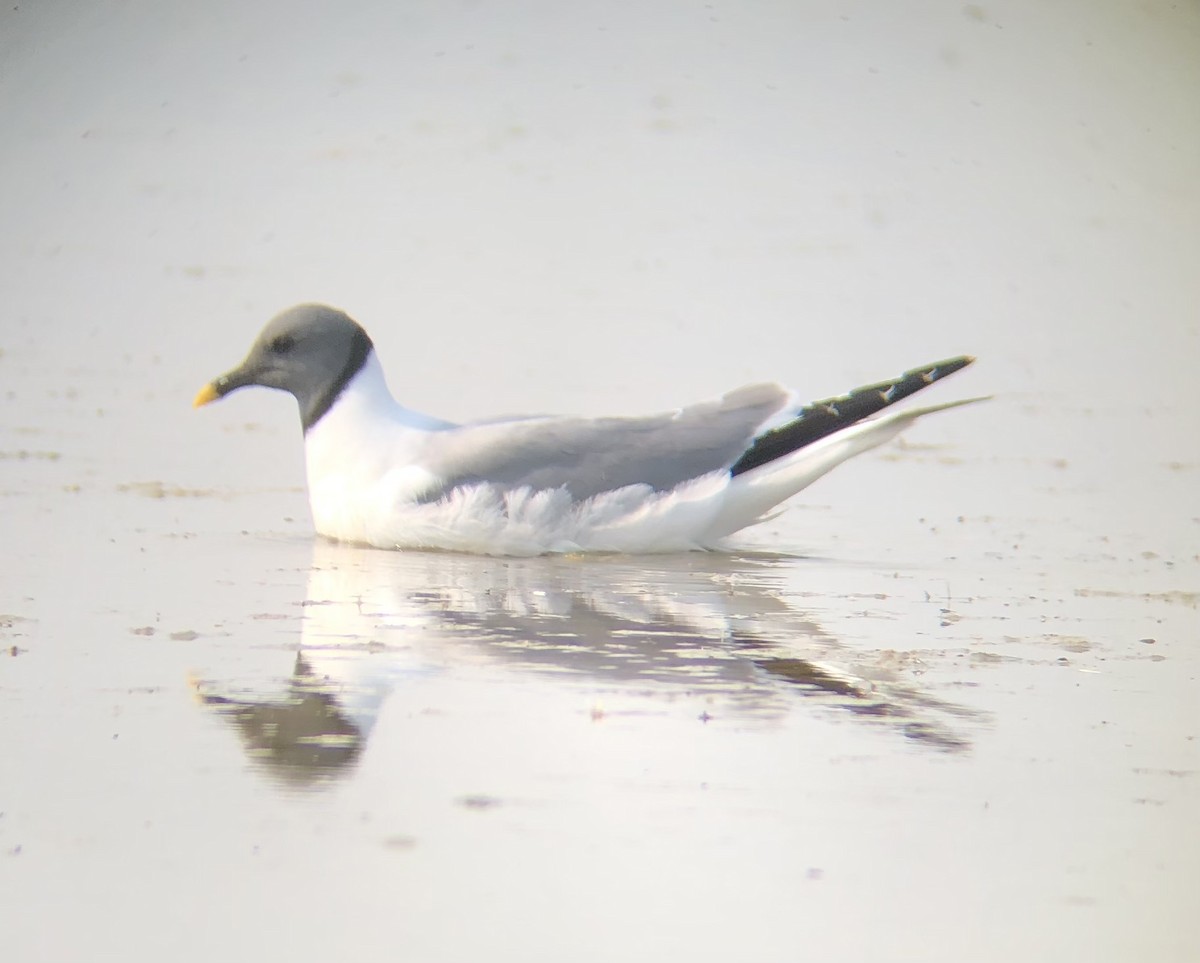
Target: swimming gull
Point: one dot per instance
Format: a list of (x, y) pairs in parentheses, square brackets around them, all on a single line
[(381, 474)]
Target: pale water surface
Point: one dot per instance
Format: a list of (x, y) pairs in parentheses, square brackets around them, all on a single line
[(945, 708)]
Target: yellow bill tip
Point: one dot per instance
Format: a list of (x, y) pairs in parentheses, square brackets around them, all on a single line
[(205, 395)]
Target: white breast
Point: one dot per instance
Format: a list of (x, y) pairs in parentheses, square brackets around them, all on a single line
[(363, 459)]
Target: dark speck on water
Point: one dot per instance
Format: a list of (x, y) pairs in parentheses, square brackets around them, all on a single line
[(479, 801)]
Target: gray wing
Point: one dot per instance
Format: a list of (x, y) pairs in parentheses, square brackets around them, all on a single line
[(592, 455)]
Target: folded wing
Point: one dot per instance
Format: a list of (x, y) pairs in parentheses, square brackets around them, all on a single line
[(743, 431), (588, 456)]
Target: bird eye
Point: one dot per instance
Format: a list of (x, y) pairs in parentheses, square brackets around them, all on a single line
[(282, 343)]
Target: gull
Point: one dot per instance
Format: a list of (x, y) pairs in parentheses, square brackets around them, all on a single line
[(383, 475)]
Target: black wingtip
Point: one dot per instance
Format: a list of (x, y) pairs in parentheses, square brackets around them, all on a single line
[(822, 418)]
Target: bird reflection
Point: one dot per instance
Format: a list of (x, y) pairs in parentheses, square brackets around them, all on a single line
[(303, 735), (711, 625)]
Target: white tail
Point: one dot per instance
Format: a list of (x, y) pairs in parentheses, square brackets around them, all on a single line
[(750, 496)]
